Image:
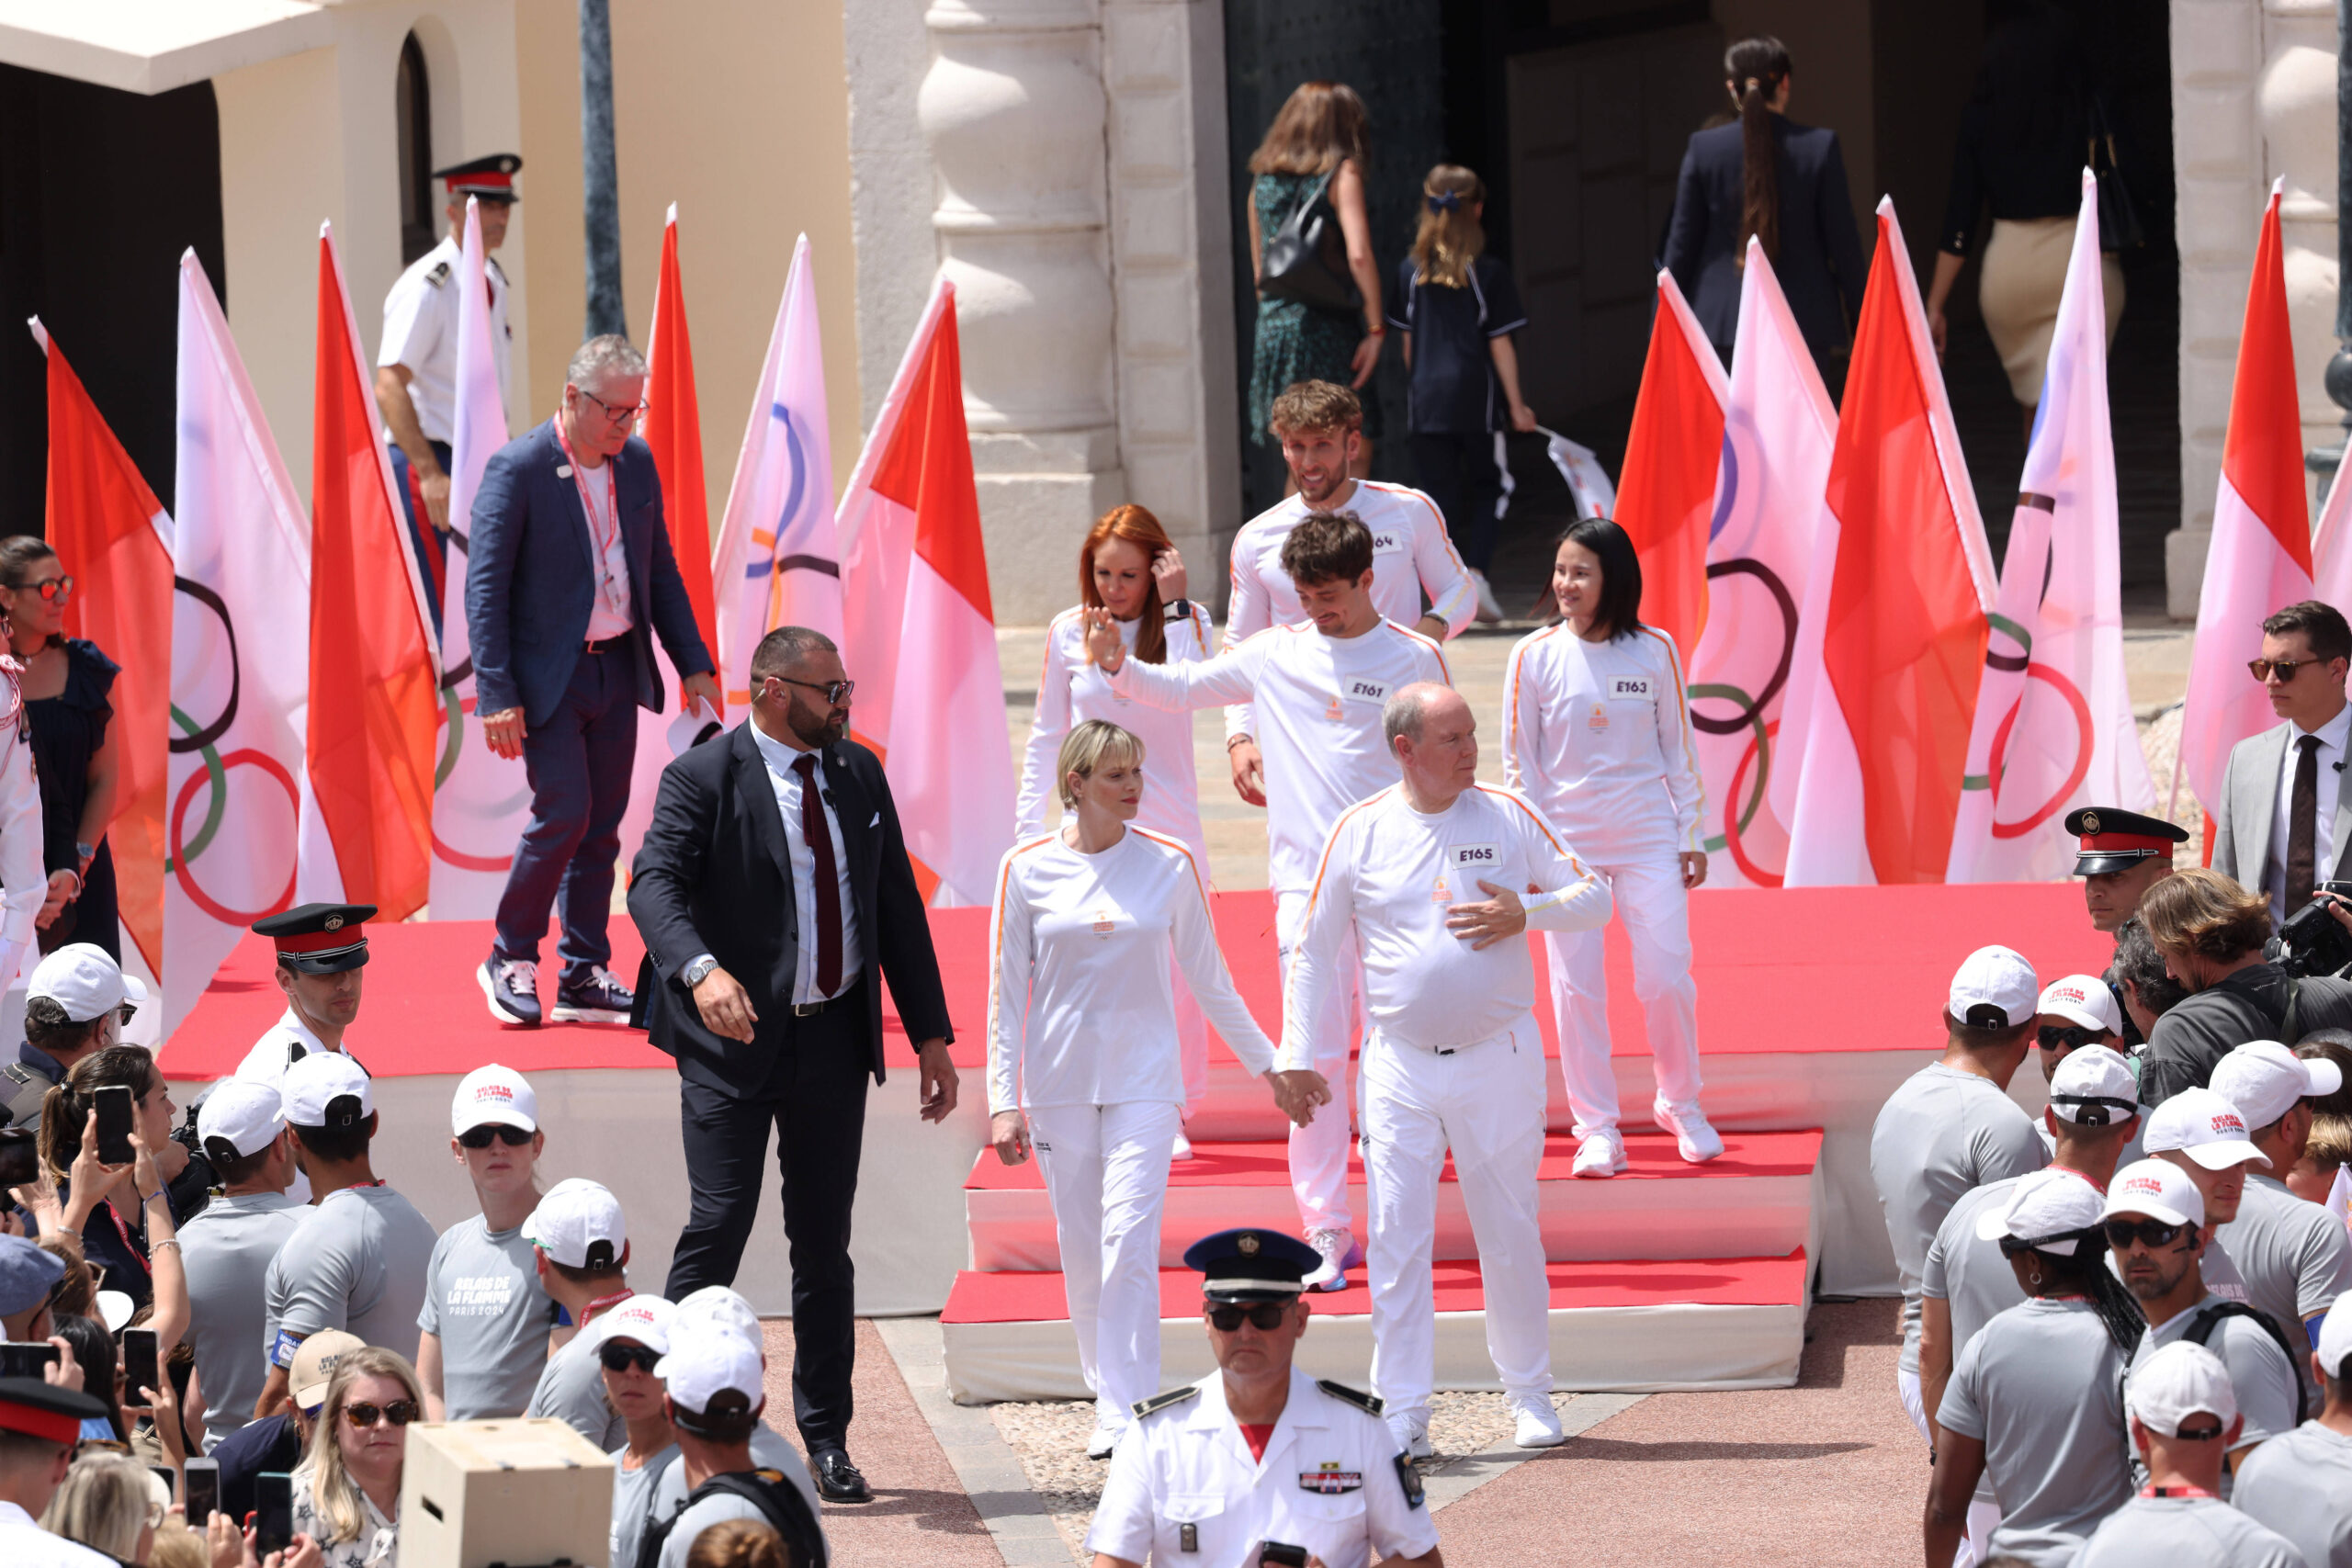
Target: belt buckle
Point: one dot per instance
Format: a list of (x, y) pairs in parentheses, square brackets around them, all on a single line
[(810, 1009)]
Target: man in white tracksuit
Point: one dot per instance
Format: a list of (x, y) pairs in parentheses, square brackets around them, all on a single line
[(1435, 882)]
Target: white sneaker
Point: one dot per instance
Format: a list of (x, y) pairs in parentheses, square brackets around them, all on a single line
[(1490, 609), (1600, 1154), (1183, 1150), (1106, 1438), (1339, 1253), (1697, 1141), (1537, 1424), (1412, 1434)]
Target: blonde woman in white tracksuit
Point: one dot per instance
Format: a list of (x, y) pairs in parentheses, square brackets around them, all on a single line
[(1597, 732), (1083, 1055)]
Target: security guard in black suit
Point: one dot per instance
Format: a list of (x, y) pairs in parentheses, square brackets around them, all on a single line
[(2121, 855)]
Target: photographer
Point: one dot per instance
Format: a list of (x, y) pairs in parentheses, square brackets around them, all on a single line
[(2212, 932), (2140, 982)]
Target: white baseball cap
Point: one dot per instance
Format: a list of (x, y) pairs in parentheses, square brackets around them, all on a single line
[(115, 1309), (703, 1364), (315, 1087), (2335, 1344), (2047, 1208), (2094, 1088), (578, 1224), (722, 1308), (645, 1319), (2264, 1079), (493, 1095), (2205, 1127), (2157, 1189), (1994, 988), (242, 1114), (2178, 1381), (2084, 999), (83, 980)]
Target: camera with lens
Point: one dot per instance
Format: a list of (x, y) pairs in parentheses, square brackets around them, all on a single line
[(2313, 941)]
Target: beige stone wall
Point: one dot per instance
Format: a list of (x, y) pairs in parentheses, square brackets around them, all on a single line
[(742, 119)]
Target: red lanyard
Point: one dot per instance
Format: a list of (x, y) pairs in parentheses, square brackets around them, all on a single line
[(603, 1304), (2179, 1492), (603, 541), (360, 1186), (124, 1231)]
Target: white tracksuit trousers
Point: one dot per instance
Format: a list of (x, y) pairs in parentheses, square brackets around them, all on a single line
[(1106, 1175), (1656, 908), (1318, 1151), (1485, 1103)]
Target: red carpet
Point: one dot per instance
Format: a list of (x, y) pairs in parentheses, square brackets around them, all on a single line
[(1802, 969)]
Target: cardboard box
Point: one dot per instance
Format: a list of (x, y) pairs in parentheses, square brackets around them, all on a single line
[(520, 1493)]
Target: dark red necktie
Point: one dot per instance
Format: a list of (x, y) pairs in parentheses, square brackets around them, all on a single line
[(829, 885)]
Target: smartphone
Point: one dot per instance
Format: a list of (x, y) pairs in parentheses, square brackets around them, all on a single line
[(115, 1124), (166, 1473), (138, 1368), (203, 1491), (19, 1158), (26, 1359), (273, 1512), (1276, 1552)]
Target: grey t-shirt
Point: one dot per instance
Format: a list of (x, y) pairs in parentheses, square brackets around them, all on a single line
[(656, 1493), (482, 1297), (2296, 1257), (633, 1500), (1942, 1132), (715, 1509), (357, 1264), (226, 1250), (571, 1390), (2185, 1532), (2042, 1386), (2300, 1485), (2259, 1375)]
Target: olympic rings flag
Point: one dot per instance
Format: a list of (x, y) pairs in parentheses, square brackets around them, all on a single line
[(241, 660), (480, 801), (2054, 728), (1779, 433)]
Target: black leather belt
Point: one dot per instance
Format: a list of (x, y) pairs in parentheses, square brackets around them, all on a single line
[(812, 1010), (609, 645)]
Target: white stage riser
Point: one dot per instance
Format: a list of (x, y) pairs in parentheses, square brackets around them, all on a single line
[(1594, 1350), (1768, 1216)]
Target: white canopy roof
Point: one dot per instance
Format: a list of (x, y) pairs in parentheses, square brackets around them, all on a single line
[(151, 46)]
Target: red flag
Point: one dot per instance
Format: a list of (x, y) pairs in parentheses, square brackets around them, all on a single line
[(114, 536), (373, 686), (672, 427), (1665, 491)]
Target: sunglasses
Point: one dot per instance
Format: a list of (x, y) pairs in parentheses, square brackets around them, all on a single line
[(400, 1413), (2202, 1435), (51, 588), (620, 1358), (2122, 1233), (1265, 1316), (480, 1137), (2284, 668), (2052, 1036), (836, 692)]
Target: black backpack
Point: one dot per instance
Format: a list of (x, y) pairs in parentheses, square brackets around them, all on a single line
[(2202, 1327), (779, 1502)]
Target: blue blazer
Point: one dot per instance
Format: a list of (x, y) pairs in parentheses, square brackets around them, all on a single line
[(531, 577), (1820, 265)]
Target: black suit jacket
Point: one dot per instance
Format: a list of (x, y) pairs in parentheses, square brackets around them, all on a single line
[(1820, 264), (714, 875)]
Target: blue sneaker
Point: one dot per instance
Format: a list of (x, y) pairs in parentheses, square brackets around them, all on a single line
[(511, 986), (600, 999)]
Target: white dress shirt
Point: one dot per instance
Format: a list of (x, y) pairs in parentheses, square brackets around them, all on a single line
[(608, 610), (421, 332), (2332, 736), (779, 758)]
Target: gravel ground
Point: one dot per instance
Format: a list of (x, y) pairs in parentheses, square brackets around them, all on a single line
[(2160, 742), (1050, 1439)]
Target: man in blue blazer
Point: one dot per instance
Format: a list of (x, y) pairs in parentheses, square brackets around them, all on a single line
[(567, 574)]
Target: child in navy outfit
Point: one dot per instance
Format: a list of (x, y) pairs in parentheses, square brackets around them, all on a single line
[(1459, 308)]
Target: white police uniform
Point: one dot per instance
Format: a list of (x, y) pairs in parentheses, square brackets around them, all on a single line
[(1185, 1490), (281, 1045), (421, 332)]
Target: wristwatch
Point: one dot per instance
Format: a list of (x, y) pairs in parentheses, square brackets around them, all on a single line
[(698, 971), (1180, 609)]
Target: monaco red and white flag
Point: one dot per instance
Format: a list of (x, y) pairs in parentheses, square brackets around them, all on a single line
[(778, 562), (921, 632), (2054, 728), (241, 660), (482, 802), (1892, 643), (375, 680), (1779, 433), (2332, 544), (2260, 558), (1666, 488)]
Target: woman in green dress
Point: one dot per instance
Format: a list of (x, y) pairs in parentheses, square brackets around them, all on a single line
[(1322, 129)]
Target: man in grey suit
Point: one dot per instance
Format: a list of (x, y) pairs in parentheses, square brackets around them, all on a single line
[(2286, 822)]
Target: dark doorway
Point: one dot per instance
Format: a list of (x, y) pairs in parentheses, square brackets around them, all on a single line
[(100, 191), (413, 112)]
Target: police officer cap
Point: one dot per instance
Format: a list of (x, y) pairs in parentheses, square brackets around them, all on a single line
[(490, 178), (319, 939), (27, 1273), (2116, 840), (39, 1409), (1251, 1266)]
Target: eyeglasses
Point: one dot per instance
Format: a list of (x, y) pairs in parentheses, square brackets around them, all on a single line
[(513, 1137), (1265, 1316), (620, 1358), (128, 1012), (2283, 668), (2202, 1435), (2122, 1233), (836, 692), (51, 588), (2052, 1036), (614, 414), (400, 1413)]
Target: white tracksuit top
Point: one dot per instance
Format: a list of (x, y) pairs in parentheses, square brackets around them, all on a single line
[(1080, 1008), (1597, 735), (1070, 690), (1394, 874), (1319, 699)]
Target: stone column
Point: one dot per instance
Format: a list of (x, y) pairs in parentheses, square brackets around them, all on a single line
[(1013, 112)]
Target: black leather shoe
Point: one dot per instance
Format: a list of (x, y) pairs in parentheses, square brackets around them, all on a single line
[(837, 1479)]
